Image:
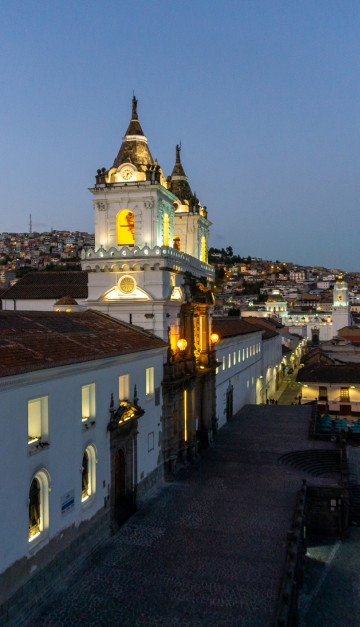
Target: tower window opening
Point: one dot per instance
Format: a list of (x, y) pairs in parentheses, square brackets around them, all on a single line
[(176, 242), (125, 228), (203, 249), (166, 225)]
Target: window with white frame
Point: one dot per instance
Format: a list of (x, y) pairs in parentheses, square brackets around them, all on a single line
[(88, 473), (149, 382), (124, 387), (38, 420), (88, 402)]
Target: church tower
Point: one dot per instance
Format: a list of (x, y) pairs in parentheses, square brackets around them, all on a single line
[(149, 232), (341, 316)]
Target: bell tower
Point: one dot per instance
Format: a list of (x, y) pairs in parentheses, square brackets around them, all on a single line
[(149, 231), (341, 316)]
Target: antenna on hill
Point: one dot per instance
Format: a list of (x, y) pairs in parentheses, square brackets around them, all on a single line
[(30, 224)]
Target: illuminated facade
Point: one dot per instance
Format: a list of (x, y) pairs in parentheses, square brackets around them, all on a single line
[(149, 231)]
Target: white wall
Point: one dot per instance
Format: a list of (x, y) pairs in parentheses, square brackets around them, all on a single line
[(68, 440)]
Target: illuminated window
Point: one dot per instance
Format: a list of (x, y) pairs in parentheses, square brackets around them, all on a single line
[(203, 249), (250, 351), (224, 366), (253, 349), (234, 358), (176, 242), (38, 420), (39, 504), (217, 370), (243, 354), (247, 352), (166, 225), (124, 387), (149, 382), (247, 384), (229, 360), (344, 395), (88, 473), (88, 404), (239, 355), (125, 228)]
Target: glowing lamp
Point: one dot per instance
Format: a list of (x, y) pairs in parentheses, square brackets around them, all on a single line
[(214, 338), (181, 344)]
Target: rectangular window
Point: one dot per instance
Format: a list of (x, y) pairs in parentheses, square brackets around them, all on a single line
[(253, 349), (224, 366), (124, 387), (229, 360), (344, 395), (322, 393), (38, 419), (247, 384), (88, 407), (259, 347), (234, 358), (250, 351), (217, 370), (247, 352), (243, 354), (239, 355), (149, 382)]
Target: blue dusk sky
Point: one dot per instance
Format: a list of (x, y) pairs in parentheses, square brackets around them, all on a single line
[(263, 94)]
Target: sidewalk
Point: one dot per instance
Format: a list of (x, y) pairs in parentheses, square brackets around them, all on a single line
[(288, 390)]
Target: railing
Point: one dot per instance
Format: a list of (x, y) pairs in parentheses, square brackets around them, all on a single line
[(292, 577)]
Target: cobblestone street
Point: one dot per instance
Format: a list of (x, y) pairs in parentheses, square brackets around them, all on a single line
[(209, 549)]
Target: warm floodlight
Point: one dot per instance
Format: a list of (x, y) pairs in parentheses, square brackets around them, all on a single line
[(181, 344)]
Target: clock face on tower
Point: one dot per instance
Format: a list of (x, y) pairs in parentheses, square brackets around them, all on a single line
[(126, 173)]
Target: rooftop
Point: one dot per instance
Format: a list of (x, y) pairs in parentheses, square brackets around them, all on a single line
[(35, 285), (36, 340)]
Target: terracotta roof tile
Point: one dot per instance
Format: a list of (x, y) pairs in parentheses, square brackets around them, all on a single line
[(347, 373), (229, 327), (35, 340), (49, 285)]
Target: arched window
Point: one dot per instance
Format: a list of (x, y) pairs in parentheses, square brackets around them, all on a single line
[(34, 509), (88, 473), (203, 249), (176, 242), (125, 228), (166, 225), (39, 504)]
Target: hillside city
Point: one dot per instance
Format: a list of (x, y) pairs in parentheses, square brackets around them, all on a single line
[(240, 282)]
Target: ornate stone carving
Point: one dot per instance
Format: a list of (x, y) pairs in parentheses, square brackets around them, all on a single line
[(102, 206), (149, 204)]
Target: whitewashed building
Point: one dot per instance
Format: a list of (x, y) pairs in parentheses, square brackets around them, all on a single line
[(71, 456)]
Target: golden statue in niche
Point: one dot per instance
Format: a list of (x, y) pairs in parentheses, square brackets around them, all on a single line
[(125, 228)]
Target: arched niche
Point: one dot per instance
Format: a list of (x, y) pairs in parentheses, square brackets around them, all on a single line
[(125, 228)]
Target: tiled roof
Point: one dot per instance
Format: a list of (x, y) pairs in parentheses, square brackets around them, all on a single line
[(35, 340), (50, 285), (348, 373), (262, 324), (231, 326)]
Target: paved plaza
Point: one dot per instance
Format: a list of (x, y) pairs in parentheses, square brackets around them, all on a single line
[(209, 548)]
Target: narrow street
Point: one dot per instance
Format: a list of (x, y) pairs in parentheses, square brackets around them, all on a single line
[(288, 390)]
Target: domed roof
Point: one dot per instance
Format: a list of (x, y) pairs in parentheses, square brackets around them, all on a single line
[(179, 181), (134, 148), (66, 300)]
